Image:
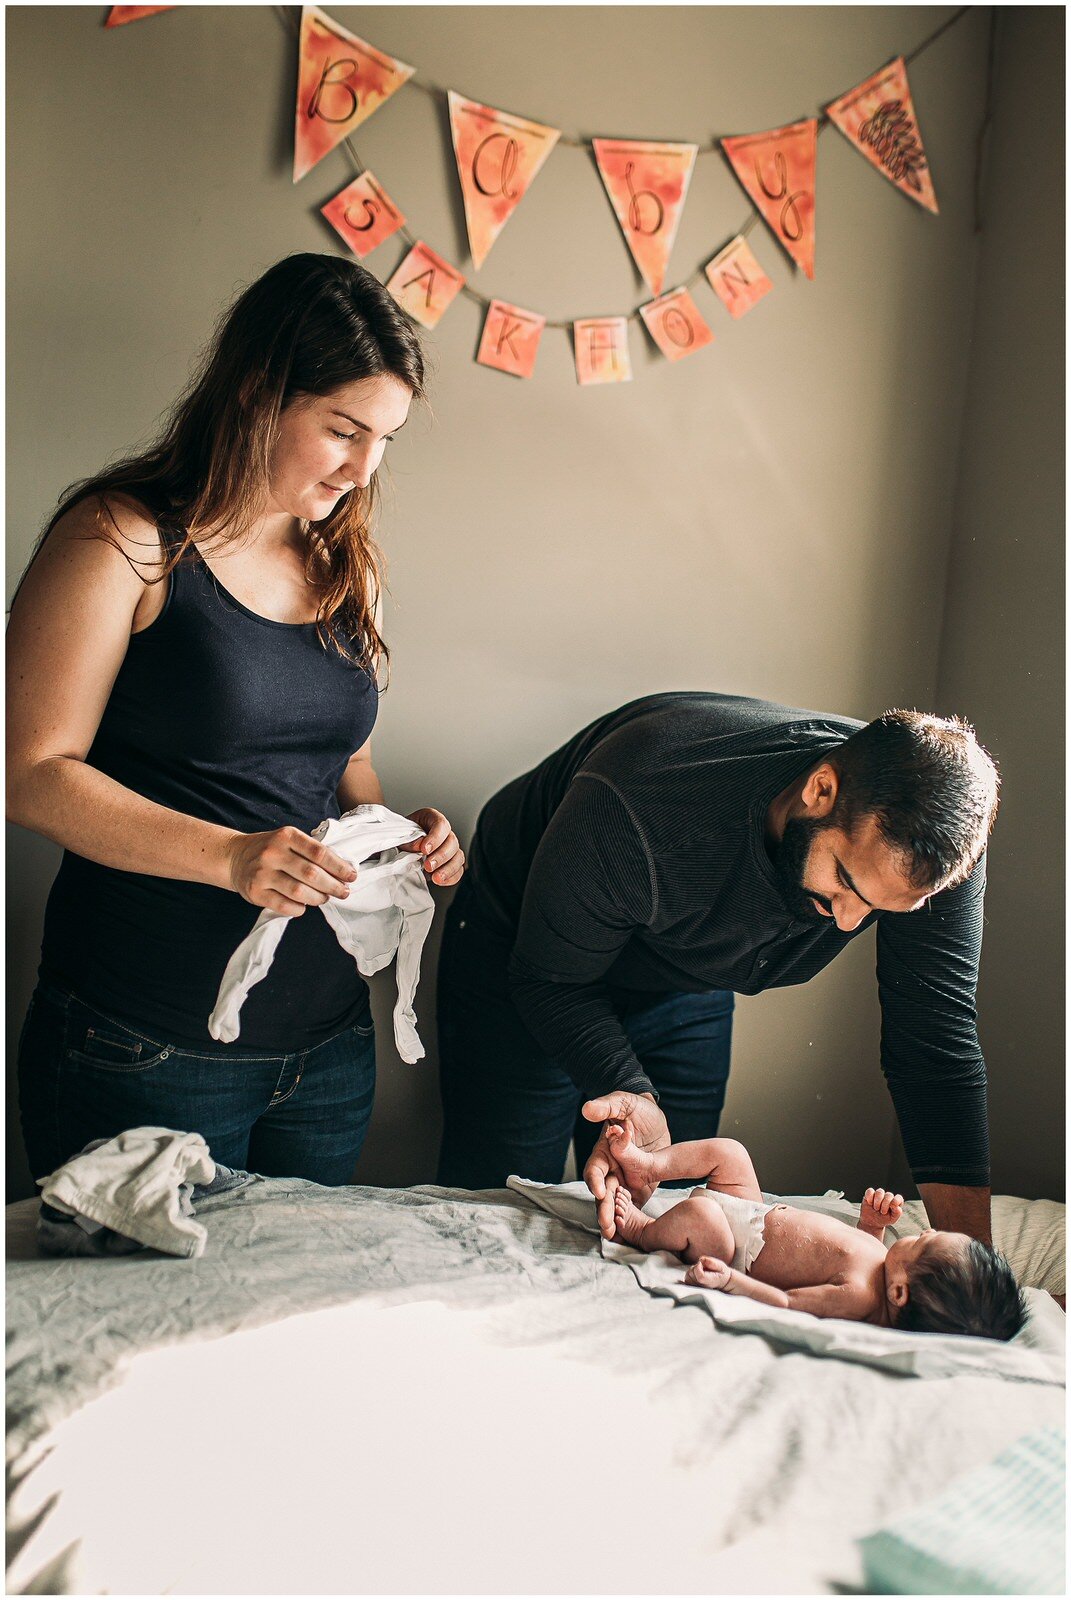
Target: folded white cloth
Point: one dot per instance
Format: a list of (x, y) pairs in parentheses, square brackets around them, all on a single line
[(135, 1184), (388, 910)]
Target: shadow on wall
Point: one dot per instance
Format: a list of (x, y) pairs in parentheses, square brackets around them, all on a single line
[(32, 863)]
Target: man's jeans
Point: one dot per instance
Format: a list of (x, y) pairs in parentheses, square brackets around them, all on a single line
[(508, 1108), (84, 1075)]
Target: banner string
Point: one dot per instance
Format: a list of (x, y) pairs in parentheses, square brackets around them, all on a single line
[(575, 142)]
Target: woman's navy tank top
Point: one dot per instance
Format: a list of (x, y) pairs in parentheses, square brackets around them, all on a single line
[(235, 719)]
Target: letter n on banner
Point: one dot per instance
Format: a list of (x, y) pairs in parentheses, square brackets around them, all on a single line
[(879, 119), (600, 348), (425, 284), (778, 171), (675, 324), (510, 339), (363, 214), (647, 185), (736, 277), (498, 155), (341, 81)]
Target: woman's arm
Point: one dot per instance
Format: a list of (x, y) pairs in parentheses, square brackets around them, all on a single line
[(69, 632)]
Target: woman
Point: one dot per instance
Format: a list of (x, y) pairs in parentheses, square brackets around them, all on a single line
[(193, 658)]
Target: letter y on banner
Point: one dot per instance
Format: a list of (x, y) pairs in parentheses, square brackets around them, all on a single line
[(778, 171), (647, 185), (341, 81), (879, 119), (498, 155)]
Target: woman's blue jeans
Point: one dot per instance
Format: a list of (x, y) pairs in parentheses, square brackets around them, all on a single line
[(508, 1108), (85, 1075)]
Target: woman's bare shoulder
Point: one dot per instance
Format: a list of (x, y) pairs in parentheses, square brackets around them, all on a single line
[(114, 521)]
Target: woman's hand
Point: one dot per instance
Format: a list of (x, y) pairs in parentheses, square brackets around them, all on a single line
[(444, 859), (286, 870)]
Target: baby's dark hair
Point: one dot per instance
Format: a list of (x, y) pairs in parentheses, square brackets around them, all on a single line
[(970, 1291)]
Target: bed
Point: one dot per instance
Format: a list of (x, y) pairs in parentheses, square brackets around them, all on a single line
[(430, 1391)]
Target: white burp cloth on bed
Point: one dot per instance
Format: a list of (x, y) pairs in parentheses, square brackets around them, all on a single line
[(747, 1219)]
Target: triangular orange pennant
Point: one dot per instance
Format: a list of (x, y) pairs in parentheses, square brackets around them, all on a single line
[(879, 119), (647, 184), (778, 171), (341, 81), (498, 155), (117, 15)]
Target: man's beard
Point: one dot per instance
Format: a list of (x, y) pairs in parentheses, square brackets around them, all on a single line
[(790, 866)]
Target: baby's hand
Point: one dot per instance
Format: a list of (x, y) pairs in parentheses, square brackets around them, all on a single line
[(709, 1273), (880, 1209)]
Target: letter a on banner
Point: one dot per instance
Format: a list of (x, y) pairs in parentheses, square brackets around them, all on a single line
[(341, 81), (424, 284), (879, 119), (647, 185), (778, 171), (117, 15), (498, 155)]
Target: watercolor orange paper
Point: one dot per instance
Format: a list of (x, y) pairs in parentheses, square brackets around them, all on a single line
[(647, 184), (341, 81), (736, 277), (117, 15), (778, 171), (879, 119), (675, 324), (510, 339), (425, 284), (363, 214), (600, 348), (498, 155)]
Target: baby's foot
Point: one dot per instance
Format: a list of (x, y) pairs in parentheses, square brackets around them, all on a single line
[(708, 1273), (639, 1166), (630, 1224)]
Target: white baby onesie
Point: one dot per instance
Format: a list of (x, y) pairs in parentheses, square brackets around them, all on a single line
[(388, 909)]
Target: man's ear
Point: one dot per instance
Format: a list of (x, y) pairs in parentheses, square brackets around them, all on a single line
[(820, 790)]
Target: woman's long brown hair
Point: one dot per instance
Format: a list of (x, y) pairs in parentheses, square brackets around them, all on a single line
[(309, 325)]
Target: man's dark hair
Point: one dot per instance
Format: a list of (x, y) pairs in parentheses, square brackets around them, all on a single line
[(929, 784), (971, 1291)]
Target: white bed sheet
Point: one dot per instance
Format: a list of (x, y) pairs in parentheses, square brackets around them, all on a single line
[(425, 1391)]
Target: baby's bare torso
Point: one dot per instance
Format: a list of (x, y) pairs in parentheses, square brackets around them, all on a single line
[(804, 1248)]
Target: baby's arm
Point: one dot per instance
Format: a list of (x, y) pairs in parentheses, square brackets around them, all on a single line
[(879, 1210), (849, 1300)]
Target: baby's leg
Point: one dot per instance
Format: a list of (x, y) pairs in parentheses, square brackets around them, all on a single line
[(732, 1171), (696, 1227), (724, 1163)]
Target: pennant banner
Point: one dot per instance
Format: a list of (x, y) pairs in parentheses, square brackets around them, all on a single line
[(425, 284), (675, 324), (117, 15), (363, 214), (647, 185), (341, 81), (736, 277), (879, 119), (498, 155), (778, 171), (600, 346), (510, 339)]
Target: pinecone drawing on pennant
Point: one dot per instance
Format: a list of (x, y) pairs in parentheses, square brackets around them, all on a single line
[(892, 135)]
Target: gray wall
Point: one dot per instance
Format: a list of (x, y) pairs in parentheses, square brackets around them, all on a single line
[(772, 517)]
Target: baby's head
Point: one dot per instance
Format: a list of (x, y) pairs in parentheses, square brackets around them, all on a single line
[(951, 1283)]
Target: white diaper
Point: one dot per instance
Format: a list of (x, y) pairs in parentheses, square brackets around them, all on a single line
[(747, 1219)]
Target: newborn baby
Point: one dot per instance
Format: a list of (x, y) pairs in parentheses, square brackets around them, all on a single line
[(931, 1282)]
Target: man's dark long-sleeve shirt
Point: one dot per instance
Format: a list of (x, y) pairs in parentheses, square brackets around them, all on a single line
[(635, 857)]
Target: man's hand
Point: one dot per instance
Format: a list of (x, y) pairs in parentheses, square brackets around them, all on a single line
[(602, 1174), (953, 1208), (879, 1210)]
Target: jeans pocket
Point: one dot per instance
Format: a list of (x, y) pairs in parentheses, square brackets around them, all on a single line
[(110, 1048)]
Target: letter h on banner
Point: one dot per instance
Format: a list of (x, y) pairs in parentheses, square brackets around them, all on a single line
[(600, 348)]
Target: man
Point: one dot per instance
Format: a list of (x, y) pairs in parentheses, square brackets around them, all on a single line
[(686, 847)]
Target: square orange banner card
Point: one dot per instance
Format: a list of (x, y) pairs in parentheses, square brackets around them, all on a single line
[(736, 277), (425, 284), (600, 349), (510, 339), (363, 214), (676, 325)]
